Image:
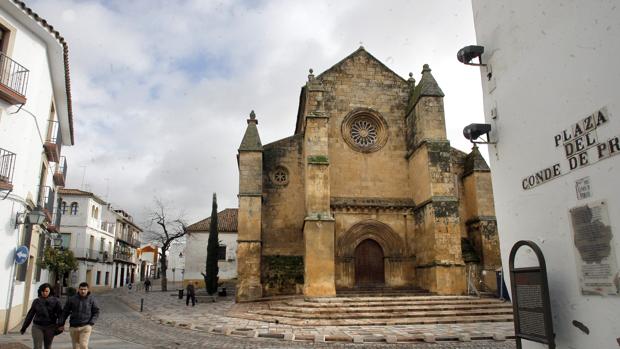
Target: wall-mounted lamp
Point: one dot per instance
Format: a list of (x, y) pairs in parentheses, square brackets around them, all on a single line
[(475, 131), (32, 217), (467, 53)]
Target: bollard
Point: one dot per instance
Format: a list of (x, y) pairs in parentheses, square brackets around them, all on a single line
[(141, 304)]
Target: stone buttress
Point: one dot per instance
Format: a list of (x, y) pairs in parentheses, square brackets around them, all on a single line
[(318, 229), (439, 263), (250, 161), (480, 220)]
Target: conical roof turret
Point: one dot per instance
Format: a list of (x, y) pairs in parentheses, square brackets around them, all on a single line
[(474, 162), (427, 87), (251, 139)]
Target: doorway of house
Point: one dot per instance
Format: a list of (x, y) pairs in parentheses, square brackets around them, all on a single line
[(369, 268)]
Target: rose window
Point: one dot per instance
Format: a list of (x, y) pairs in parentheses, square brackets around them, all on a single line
[(279, 176), (364, 133), (364, 130)]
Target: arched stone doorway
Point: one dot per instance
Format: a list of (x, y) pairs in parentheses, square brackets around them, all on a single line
[(385, 257), (369, 265)]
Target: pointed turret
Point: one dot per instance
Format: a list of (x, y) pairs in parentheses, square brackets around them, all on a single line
[(251, 139), (480, 221), (250, 160), (474, 162)]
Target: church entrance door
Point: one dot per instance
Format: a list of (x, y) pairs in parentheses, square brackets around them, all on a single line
[(369, 270)]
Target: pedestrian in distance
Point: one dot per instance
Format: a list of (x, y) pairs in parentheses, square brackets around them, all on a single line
[(45, 313), (147, 284), (191, 294), (84, 313)]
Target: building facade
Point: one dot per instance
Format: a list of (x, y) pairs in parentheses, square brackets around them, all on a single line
[(35, 122), (148, 257), (126, 265), (103, 239), (86, 230), (196, 247), (367, 192), (551, 98)]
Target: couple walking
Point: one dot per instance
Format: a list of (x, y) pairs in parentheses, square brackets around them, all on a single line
[(49, 317)]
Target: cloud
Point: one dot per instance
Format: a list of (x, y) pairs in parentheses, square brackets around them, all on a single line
[(162, 88)]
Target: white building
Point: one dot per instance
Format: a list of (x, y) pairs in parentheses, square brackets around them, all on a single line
[(176, 262), (104, 240), (88, 229), (196, 247), (551, 96), (35, 121), (148, 256), (126, 265)]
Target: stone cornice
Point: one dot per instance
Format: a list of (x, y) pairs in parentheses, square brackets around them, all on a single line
[(365, 203)]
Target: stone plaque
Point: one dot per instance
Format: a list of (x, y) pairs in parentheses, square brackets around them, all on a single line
[(582, 186), (594, 248)]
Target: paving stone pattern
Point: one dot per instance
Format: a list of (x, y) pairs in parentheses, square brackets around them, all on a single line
[(226, 318)]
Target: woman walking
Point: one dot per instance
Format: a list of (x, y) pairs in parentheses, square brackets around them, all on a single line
[(45, 311)]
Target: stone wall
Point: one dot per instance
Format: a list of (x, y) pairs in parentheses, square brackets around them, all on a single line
[(283, 203)]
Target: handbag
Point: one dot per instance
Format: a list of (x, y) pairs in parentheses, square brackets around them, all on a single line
[(58, 331)]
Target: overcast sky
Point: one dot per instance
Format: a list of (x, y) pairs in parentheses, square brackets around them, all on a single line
[(162, 89)]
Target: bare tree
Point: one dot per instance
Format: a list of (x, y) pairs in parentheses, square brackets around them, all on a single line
[(163, 229)]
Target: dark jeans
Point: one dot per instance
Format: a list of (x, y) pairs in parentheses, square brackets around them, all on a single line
[(43, 335), (192, 297)]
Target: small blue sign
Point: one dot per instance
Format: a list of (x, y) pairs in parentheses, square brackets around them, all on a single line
[(21, 255)]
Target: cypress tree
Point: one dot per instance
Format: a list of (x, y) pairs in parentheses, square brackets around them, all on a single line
[(212, 247)]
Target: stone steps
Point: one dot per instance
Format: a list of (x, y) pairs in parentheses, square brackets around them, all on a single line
[(401, 310), (386, 322), (386, 308)]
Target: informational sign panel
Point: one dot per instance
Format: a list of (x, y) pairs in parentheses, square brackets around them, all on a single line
[(530, 299), (594, 250)]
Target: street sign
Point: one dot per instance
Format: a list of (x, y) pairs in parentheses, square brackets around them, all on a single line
[(21, 255)]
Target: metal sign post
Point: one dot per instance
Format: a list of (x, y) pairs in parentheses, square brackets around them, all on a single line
[(21, 256), (530, 299)]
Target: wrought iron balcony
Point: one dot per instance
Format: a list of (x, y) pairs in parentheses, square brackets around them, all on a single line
[(47, 201), (54, 224), (53, 141), (60, 172), (13, 80), (7, 167), (121, 256)]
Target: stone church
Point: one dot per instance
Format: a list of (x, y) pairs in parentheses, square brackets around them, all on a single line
[(367, 193)]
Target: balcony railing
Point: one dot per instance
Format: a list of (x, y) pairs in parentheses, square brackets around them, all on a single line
[(47, 201), (128, 239), (60, 173), (120, 256), (13, 80), (7, 167), (92, 254), (53, 141)]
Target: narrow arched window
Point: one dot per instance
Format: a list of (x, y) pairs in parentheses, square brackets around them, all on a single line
[(63, 207), (74, 208)]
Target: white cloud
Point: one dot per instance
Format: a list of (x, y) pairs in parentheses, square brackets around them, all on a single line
[(152, 120)]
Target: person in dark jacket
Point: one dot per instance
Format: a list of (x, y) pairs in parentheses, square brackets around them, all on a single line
[(84, 312), (45, 313), (191, 294), (147, 284)]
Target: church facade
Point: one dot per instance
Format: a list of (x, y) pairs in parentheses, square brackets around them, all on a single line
[(367, 193)]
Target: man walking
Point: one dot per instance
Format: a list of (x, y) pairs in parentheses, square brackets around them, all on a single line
[(84, 312), (191, 294)]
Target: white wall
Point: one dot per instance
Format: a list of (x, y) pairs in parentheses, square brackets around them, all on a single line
[(196, 255), (21, 133), (553, 64)]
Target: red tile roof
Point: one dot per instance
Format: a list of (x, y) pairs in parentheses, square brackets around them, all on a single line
[(226, 222)]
